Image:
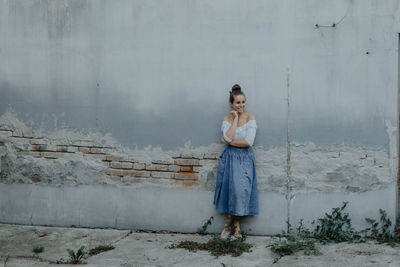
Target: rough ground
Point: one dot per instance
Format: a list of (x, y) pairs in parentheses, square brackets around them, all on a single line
[(149, 249)]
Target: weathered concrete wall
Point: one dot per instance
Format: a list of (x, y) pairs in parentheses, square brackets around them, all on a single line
[(131, 93)]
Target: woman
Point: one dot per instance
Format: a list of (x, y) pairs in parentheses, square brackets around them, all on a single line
[(236, 187)]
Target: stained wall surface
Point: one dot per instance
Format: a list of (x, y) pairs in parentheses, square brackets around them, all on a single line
[(149, 81)]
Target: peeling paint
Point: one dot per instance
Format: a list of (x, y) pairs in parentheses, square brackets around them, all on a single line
[(338, 168)]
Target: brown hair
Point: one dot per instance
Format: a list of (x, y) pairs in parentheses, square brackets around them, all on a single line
[(236, 90)]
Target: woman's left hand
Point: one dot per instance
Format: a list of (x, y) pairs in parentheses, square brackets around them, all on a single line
[(224, 141)]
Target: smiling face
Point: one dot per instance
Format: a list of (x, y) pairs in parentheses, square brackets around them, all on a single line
[(239, 103)]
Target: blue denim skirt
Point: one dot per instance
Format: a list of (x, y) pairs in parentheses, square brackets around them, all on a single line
[(236, 187)]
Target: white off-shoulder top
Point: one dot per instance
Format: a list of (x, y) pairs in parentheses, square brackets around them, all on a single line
[(246, 131)]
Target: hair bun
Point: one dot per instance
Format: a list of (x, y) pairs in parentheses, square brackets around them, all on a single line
[(236, 88)]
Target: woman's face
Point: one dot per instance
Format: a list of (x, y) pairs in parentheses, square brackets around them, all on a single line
[(239, 102)]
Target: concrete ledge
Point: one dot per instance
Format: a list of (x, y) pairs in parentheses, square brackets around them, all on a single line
[(311, 206), (175, 209)]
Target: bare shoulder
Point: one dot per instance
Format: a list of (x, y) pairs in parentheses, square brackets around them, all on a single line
[(250, 117), (227, 118)]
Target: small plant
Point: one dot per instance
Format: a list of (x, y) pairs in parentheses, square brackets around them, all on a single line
[(203, 230), (292, 244), (6, 260), (335, 226), (217, 246), (77, 257), (38, 249), (381, 231), (100, 249)]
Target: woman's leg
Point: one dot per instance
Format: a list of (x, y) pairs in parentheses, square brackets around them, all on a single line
[(236, 225), (227, 227)]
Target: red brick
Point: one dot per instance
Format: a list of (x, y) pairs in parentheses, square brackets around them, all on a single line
[(96, 150), (164, 161), (121, 165), (114, 158), (208, 162), (30, 153), (137, 173), (139, 166), (121, 172), (186, 176), (187, 162), (186, 168), (83, 149), (156, 167), (211, 156), (166, 175), (51, 155), (115, 172)]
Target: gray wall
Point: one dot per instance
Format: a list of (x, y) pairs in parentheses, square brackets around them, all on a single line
[(132, 68), (320, 76)]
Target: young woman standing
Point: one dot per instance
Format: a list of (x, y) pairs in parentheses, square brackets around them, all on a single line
[(236, 186)]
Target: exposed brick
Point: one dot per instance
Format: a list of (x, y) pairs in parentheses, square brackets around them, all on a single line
[(156, 167), (114, 158), (186, 168), (186, 176), (167, 175), (126, 165), (121, 172), (211, 156), (115, 172), (173, 168), (51, 155), (96, 150), (139, 166), (164, 161), (62, 149), (121, 165), (83, 149), (115, 164), (208, 162), (137, 173), (6, 132), (30, 153), (186, 155), (72, 149), (197, 168), (187, 162)]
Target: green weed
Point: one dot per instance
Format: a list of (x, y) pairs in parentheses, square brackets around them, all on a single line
[(38, 249), (217, 246), (203, 229), (100, 249)]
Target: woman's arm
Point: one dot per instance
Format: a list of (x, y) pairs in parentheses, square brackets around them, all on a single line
[(230, 133)]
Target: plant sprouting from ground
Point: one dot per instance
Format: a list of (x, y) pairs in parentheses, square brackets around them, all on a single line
[(335, 226), (100, 249), (38, 249), (217, 246), (75, 258), (203, 230)]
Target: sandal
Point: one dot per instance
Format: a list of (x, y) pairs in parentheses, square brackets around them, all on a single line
[(225, 233)]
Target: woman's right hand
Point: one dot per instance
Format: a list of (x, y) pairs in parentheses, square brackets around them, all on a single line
[(235, 114)]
